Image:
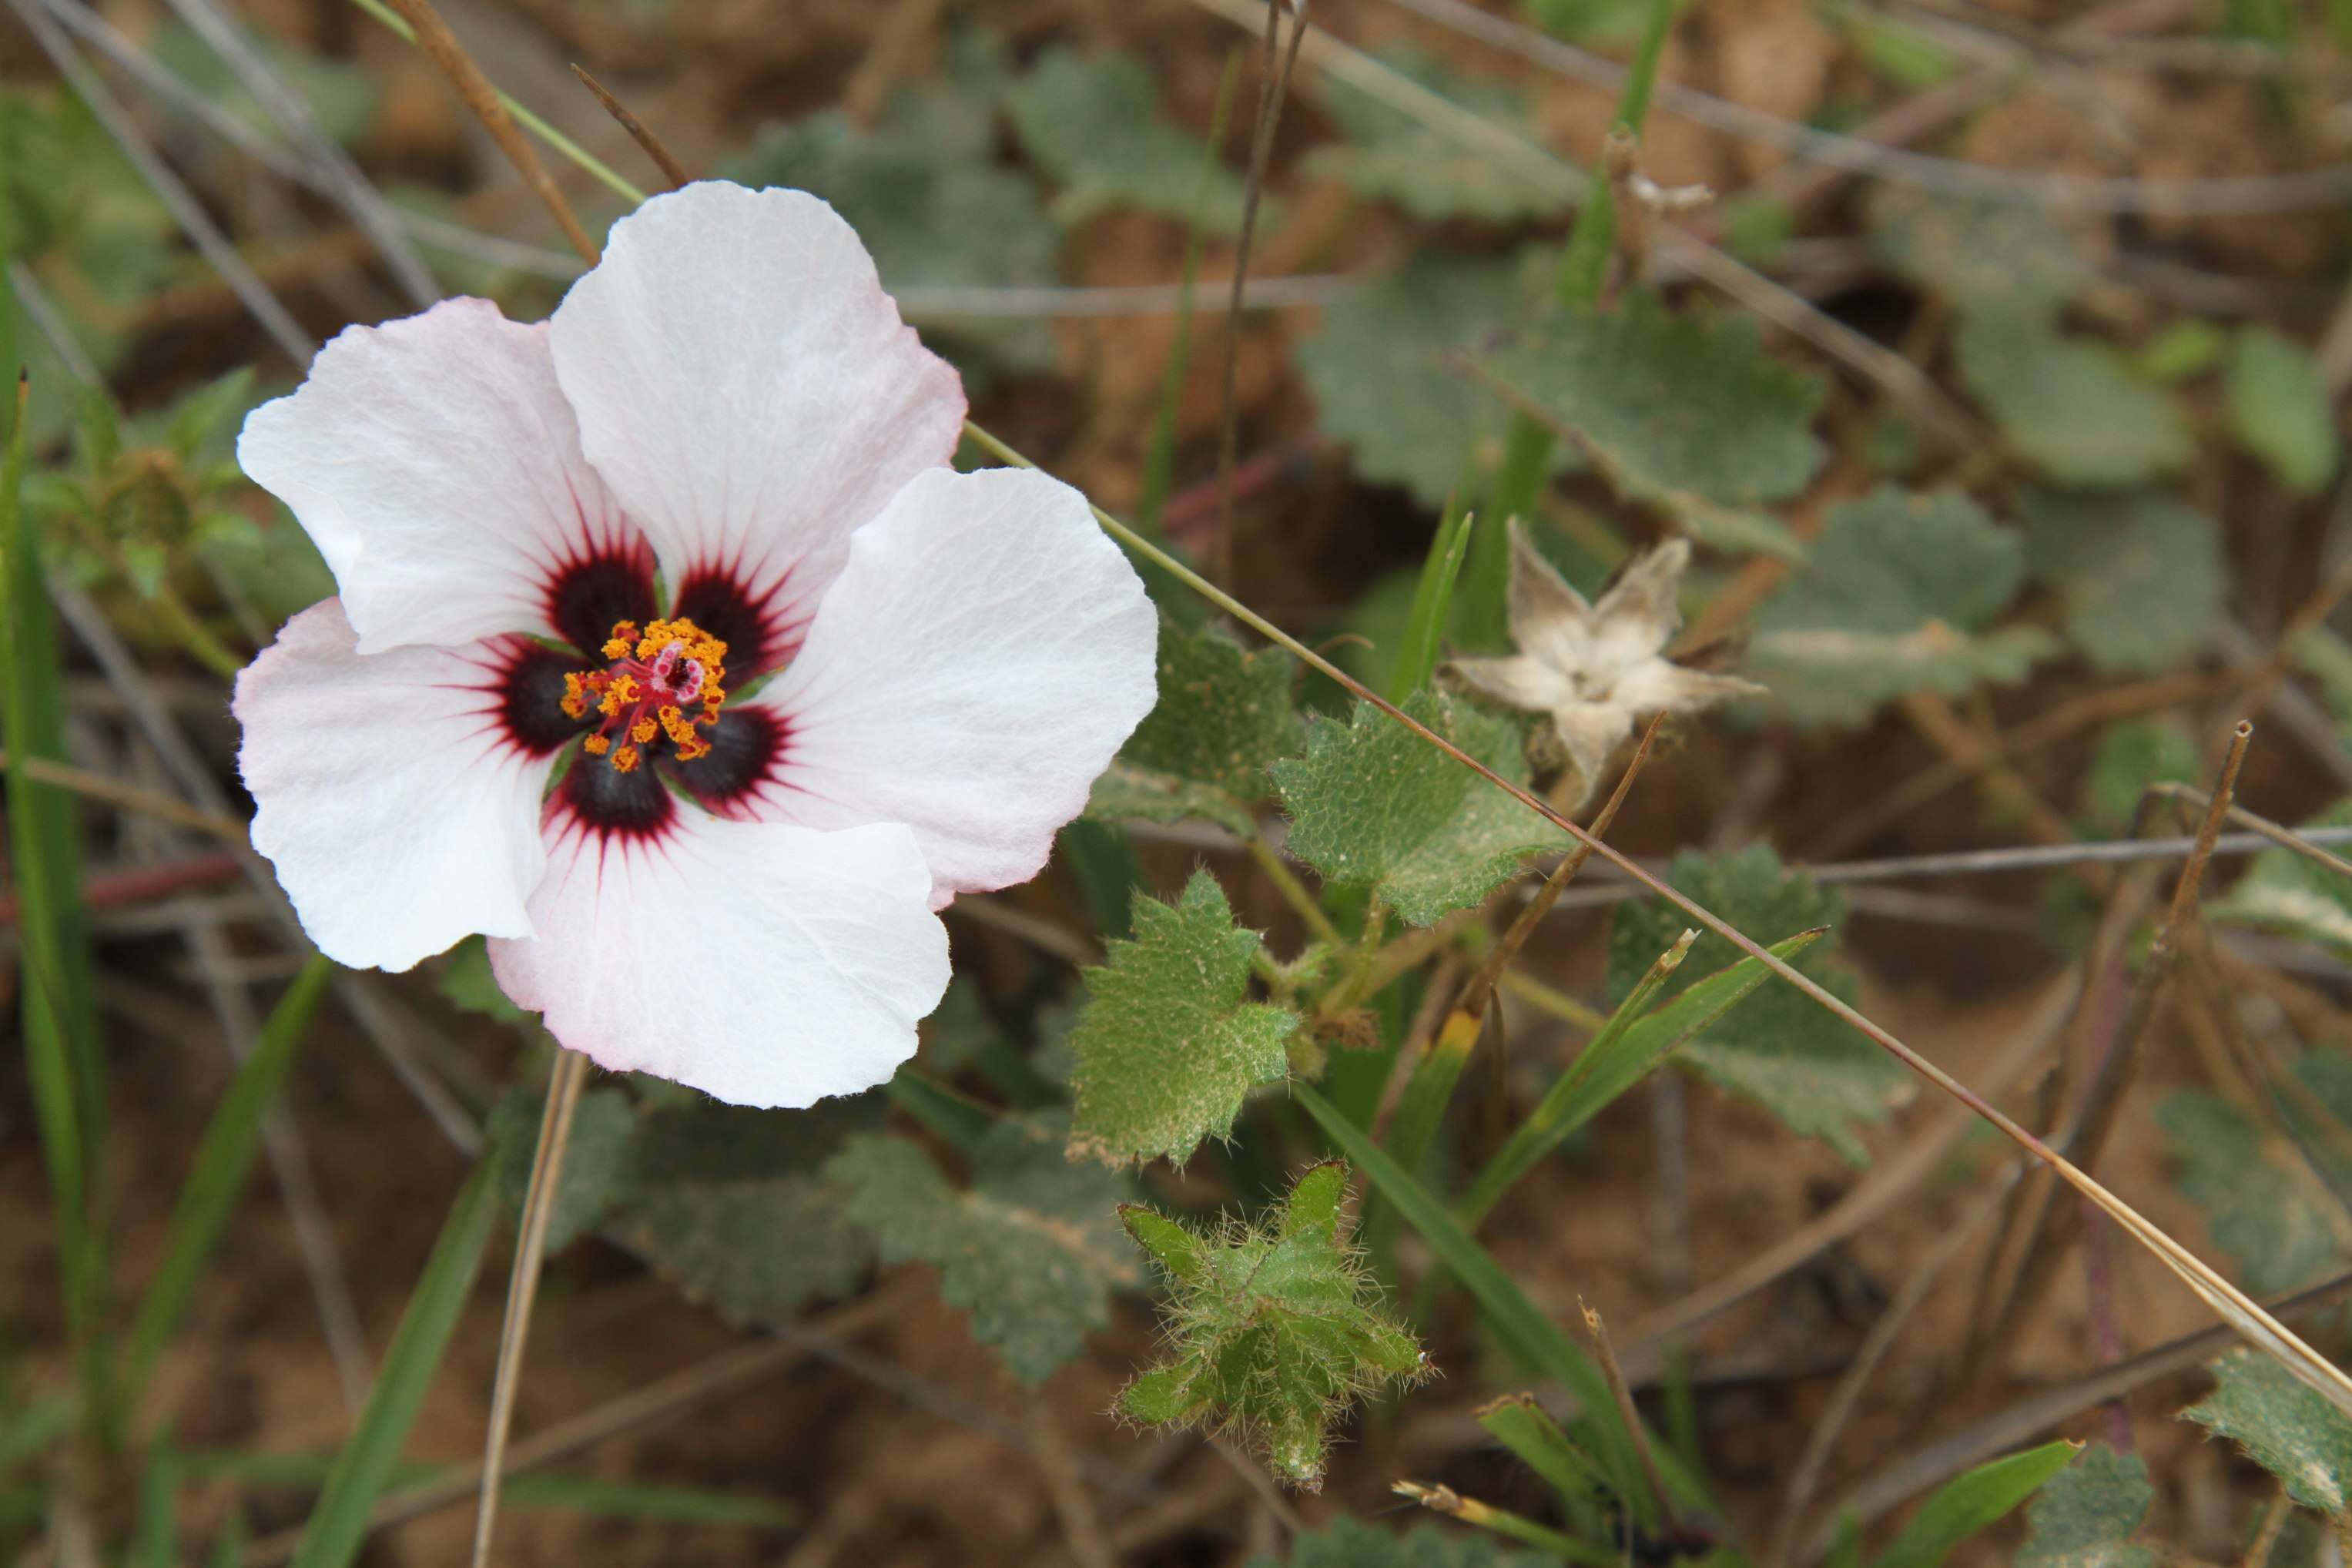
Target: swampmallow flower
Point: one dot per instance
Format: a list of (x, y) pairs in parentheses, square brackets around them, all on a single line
[(669, 654)]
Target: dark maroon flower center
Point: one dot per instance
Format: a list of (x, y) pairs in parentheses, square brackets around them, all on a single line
[(731, 759)]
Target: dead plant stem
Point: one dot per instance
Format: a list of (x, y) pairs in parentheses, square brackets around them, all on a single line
[(564, 1083)]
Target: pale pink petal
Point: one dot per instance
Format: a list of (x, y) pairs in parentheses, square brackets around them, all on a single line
[(392, 791), (972, 672), (763, 964), (750, 394), (436, 466)]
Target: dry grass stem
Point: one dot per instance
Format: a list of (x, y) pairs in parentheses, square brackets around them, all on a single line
[(564, 1084), (442, 45), (650, 144), (1274, 90)]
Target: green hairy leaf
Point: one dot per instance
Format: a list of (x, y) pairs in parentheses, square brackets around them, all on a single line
[(1274, 1330), (1167, 1042), (1777, 1048), (1391, 155), (1224, 717), (1372, 804), (1092, 123), (1389, 375), (2281, 411), (601, 1126), (2284, 1426), (732, 1203), (924, 192), (2263, 1205), (1352, 1543), (2142, 577), (1896, 596), (2084, 1518), (2071, 406), (1680, 413), (1032, 1249), (2283, 892)]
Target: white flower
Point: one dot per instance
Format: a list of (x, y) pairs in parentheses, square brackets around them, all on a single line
[(1595, 669), (734, 891)]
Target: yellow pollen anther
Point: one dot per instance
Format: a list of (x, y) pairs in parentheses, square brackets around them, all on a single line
[(640, 696)]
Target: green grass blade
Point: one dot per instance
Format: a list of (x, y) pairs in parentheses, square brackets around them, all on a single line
[(1521, 1424), (649, 1503), (155, 1538), (1433, 603), (59, 1004), (228, 1545), (1532, 1338), (1962, 1507), (1159, 458), (223, 1160), (339, 1520), (1616, 1058), (1583, 269)]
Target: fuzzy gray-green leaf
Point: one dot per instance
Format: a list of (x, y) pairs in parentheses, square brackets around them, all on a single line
[(602, 1125), (2284, 1426), (1168, 1043), (2084, 1516), (1779, 1048), (731, 1203), (2285, 892), (1373, 805), (1092, 123), (2281, 411), (1679, 412), (1032, 1249), (1224, 717), (2071, 406), (1897, 595), (2142, 575), (1388, 375)]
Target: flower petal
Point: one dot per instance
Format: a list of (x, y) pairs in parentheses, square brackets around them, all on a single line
[(973, 670), (764, 964), (1656, 686), (750, 392), (392, 793), (436, 466), (1638, 615), (1519, 680), (1550, 619)]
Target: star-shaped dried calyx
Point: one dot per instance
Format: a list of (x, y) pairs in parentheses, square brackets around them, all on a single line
[(1594, 669)]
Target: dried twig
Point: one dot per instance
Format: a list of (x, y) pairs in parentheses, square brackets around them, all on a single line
[(570, 1075), (667, 161), (1274, 88), (434, 37), (1973, 1444)]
